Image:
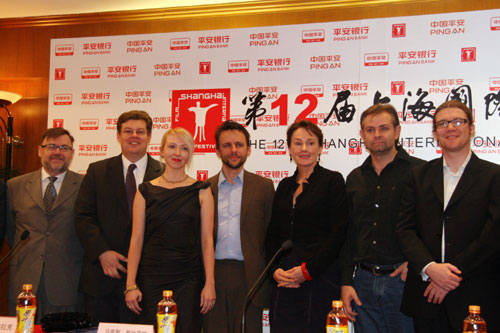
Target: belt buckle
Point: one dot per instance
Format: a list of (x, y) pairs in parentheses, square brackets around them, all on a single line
[(375, 271)]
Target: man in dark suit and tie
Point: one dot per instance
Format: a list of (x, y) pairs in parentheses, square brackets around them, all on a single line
[(42, 202), (243, 203), (449, 230), (103, 217)]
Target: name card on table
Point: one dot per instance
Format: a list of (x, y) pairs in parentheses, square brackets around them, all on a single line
[(123, 328), (8, 324)]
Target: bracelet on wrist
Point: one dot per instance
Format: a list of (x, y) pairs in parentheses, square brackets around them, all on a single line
[(132, 287), (305, 272)]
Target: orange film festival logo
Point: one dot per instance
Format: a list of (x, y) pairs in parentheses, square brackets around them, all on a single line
[(399, 30), (205, 67), (468, 54), (397, 87), (60, 74), (57, 123), (200, 111), (202, 175)]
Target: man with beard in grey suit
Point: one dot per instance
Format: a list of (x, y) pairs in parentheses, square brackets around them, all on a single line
[(42, 202)]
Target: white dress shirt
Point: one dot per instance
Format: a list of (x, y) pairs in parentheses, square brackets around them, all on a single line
[(139, 171), (46, 181)]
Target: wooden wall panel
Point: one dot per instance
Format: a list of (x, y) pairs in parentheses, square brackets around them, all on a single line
[(24, 58)]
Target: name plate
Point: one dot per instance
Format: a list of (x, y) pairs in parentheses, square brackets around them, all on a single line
[(123, 328), (8, 324)]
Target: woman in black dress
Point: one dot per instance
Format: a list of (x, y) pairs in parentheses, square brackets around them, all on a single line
[(172, 243), (310, 209)]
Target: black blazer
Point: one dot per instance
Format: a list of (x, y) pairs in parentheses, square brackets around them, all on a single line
[(102, 219), (472, 230)]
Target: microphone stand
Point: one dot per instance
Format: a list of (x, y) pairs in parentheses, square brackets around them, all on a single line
[(285, 246)]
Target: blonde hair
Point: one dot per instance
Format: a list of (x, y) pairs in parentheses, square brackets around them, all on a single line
[(185, 136)]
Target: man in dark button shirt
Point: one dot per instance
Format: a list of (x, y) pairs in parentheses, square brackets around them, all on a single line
[(372, 250)]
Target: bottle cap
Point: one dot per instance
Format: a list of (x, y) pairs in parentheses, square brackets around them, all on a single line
[(27, 286), (337, 304), (167, 293), (474, 308)]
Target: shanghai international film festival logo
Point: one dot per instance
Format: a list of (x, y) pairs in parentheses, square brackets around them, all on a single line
[(399, 30), (205, 67), (468, 54), (60, 74), (200, 111)]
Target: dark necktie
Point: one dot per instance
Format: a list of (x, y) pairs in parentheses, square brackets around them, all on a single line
[(130, 186), (50, 194)]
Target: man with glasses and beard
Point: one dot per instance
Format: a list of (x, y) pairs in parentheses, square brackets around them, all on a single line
[(243, 203), (42, 203)]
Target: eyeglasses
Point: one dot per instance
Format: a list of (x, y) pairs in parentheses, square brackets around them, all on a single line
[(457, 122), (138, 132), (53, 147)]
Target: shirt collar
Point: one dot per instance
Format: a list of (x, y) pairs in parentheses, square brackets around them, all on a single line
[(400, 155), (311, 176), (140, 164), (239, 177), (446, 168), (60, 176)]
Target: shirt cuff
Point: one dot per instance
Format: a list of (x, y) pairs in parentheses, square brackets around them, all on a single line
[(424, 276)]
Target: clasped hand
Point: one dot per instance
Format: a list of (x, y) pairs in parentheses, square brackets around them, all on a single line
[(291, 278), (444, 278)]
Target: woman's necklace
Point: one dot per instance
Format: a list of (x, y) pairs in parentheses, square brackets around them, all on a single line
[(173, 181)]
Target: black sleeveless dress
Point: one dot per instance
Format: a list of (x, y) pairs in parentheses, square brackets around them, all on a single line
[(171, 256)]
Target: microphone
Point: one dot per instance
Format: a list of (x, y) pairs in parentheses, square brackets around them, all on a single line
[(24, 235), (285, 246)]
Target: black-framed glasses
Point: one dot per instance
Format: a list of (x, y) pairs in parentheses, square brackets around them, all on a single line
[(457, 122), (53, 147)]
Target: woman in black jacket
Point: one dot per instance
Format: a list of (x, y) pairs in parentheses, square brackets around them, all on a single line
[(310, 209)]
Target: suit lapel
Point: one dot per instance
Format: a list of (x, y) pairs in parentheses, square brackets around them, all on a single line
[(68, 187), (246, 197), (153, 169), (468, 178), (34, 188), (436, 173)]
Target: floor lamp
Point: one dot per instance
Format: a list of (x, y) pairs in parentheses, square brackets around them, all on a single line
[(8, 98)]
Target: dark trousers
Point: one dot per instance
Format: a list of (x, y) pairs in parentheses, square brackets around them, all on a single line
[(439, 324), (304, 309), (109, 308), (231, 289)]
